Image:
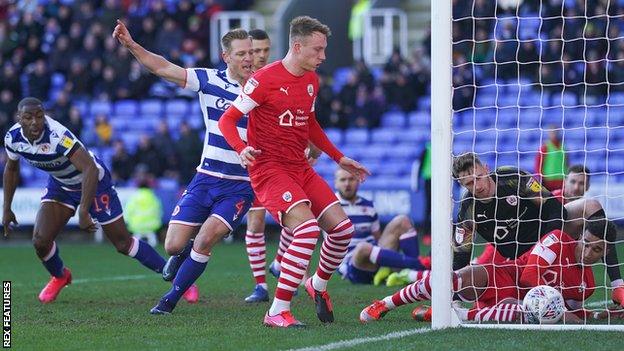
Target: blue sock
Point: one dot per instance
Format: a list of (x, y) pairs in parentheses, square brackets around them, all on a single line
[(390, 258), (191, 269), (146, 254), (53, 262), (408, 243)]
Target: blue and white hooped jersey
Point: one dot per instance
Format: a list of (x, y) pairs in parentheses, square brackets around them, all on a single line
[(364, 218), (216, 92), (50, 153)]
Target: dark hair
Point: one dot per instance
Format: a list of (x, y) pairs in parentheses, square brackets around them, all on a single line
[(304, 26), (465, 162), (258, 34), (29, 101), (578, 168), (229, 37), (602, 228)]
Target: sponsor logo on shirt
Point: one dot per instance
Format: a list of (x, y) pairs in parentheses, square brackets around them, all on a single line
[(459, 234)]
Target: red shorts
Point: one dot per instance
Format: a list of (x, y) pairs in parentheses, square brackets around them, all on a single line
[(256, 205), (280, 189), (503, 280)]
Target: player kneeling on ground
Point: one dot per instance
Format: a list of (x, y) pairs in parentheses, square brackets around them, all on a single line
[(556, 260)]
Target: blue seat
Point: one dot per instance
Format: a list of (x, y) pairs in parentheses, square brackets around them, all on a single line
[(393, 119), (127, 108), (151, 107), (83, 107), (100, 107), (384, 135), (419, 119), (356, 136), (335, 135), (377, 151), (176, 107), (341, 76)]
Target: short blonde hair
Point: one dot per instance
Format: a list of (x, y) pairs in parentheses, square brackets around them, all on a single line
[(304, 26), (229, 37)]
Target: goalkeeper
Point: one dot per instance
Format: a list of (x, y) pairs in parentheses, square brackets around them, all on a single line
[(556, 260)]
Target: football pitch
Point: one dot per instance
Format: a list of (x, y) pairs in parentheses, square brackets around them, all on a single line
[(107, 307)]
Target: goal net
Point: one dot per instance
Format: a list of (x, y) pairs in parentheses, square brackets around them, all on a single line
[(537, 86)]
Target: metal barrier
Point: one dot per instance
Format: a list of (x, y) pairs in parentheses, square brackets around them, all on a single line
[(223, 22)]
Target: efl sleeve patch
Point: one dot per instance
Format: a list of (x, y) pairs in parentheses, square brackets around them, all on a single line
[(67, 142), (534, 186)]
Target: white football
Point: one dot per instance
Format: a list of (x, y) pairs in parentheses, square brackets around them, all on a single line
[(543, 305)]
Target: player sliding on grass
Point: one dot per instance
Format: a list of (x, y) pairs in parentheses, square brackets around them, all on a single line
[(280, 102), (78, 181), (557, 260)]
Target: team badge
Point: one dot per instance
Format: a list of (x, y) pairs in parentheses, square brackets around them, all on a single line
[(287, 196), (67, 142), (310, 90), (459, 234), (176, 210), (250, 86), (512, 200), (44, 147)]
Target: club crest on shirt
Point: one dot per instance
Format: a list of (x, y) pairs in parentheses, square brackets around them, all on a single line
[(459, 234), (287, 196), (512, 200), (250, 86), (44, 147), (310, 90)]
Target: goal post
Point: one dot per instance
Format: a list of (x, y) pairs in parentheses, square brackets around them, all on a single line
[(441, 154), (514, 99)]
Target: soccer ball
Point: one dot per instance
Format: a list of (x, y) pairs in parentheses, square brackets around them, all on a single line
[(543, 305)]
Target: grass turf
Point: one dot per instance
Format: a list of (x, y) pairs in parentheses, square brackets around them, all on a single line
[(107, 308)]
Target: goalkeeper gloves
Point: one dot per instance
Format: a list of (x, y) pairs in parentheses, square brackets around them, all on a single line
[(618, 295)]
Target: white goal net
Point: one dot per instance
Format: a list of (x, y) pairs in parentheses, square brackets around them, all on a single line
[(534, 89)]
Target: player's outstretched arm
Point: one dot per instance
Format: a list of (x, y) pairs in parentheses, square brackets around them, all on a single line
[(83, 162), (155, 63), (320, 140), (10, 179)]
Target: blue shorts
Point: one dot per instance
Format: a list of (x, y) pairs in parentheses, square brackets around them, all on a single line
[(106, 206), (228, 200), (358, 276)]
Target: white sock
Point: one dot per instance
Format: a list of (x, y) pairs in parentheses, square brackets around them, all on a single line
[(389, 303), (278, 306), (319, 284)]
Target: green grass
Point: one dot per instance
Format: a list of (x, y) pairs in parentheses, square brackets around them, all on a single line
[(113, 314)]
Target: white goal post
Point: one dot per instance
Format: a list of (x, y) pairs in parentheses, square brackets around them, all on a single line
[(442, 135)]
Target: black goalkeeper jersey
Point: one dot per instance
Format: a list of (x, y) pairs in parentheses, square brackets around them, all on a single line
[(514, 220)]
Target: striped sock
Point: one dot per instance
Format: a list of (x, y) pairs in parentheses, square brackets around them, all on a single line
[(333, 250), (294, 264), (417, 291), (286, 237), (505, 312), (256, 253)]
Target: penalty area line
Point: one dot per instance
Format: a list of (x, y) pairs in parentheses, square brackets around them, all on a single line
[(359, 341)]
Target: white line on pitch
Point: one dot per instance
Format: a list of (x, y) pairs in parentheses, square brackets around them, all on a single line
[(107, 279), (358, 341)]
